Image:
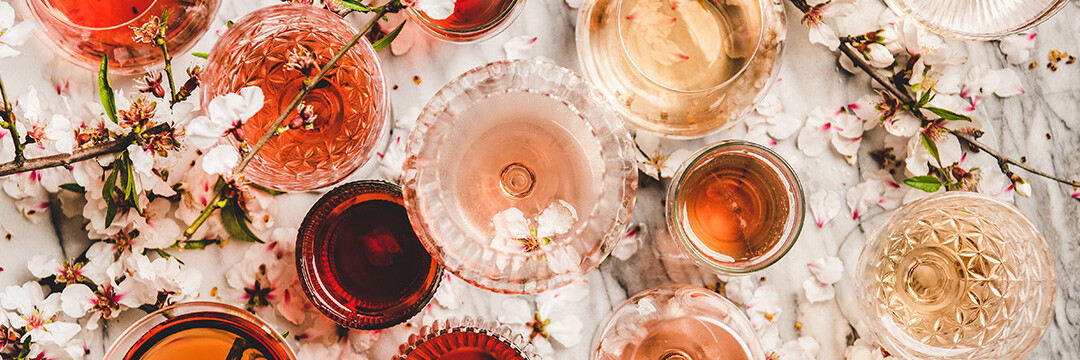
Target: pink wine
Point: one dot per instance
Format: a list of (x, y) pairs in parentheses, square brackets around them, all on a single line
[(350, 102), (689, 339), (523, 150), (88, 30)]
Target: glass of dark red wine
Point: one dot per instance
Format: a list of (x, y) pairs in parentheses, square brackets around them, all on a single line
[(359, 259), (466, 339)]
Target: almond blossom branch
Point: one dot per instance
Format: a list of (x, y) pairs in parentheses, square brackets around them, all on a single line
[(7, 114), (309, 85), (65, 160), (906, 98)]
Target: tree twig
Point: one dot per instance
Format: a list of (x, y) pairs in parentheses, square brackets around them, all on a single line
[(906, 98), (65, 160), (12, 125), (270, 132)]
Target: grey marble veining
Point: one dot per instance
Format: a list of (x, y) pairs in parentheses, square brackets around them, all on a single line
[(810, 77)]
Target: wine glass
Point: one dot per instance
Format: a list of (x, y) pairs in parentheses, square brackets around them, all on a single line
[(677, 322), (735, 207), (471, 20), (956, 275), (978, 19), (350, 102), (85, 31), (681, 69), (359, 260), (466, 338), (518, 177), (199, 330)]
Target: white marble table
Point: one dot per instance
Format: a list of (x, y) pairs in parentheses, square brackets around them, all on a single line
[(810, 77)]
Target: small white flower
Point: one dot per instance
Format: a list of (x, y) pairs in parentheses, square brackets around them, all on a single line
[(803, 348), (37, 313), (513, 232), (434, 9), (12, 34), (949, 151), (520, 47), (220, 159), (903, 124), (630, 242), (77, 299), (878, 56), (825, 205), (142, 161), (877, 188), (653, 160), (826, 272), (225, 112), (764, 307), (1017, 48), (981, 80), (864, 349), (840, 128)]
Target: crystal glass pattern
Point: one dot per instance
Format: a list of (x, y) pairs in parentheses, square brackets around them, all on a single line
[(198, 326), (682, 69), (466, 339), (472, 20), (677, 322), (518, 134), (752, 195), (956, 275), (84, 31), (978, 19), (359, 260), (351, 102)]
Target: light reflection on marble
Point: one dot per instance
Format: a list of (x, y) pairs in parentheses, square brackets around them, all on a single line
[(810, 78)]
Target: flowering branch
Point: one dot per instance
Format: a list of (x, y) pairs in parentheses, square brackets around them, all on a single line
[(218, 201), (65, 160), (7, 120), (847, 47)]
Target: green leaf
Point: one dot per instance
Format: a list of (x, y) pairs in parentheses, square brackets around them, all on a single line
[(925, 98), (200, 55), (236, 221), (948, 115), (925, 183), (266, 189), (107, 195), (73, 187), (931, 147), (386, 40), (108, 98), (229, 24), (356, 5)]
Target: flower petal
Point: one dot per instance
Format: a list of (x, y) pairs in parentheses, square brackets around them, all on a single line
[(825, 205), (817, 291), (556, 219), (220, 160), (76, 300), (827, 270)]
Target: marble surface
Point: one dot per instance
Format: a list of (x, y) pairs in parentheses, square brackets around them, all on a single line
[(810, 77)]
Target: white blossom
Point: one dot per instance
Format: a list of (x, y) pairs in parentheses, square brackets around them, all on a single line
[(37, 314), (1017, 48), (220, 160), (225, 112), (840, 128), (12, 34), (653, 160)]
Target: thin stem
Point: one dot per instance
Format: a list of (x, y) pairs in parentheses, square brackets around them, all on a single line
[(168, 71), (970, 140), (11, 125), (845, 47), (273, 129), (78, 155)]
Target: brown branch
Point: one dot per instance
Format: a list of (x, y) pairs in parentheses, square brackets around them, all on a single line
[(65, 160), (272, 131), (906, 98)]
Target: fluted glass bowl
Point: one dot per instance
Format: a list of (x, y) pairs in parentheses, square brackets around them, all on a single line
[(186, 322), (519, 137), (350, 102), (682, 81), (466, 338), (978, 19), (677, 322), (956, 275)]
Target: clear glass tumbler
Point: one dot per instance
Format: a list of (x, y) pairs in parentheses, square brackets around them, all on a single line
[(85, 31), (735, 207), (956, 275), (350, 103)]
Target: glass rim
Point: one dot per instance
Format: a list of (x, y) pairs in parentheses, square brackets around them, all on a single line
[(139, 328), (502, 333), (753, 56), (433, 29), (56, 15), (904, 9), (306, 267), (783, 171)]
